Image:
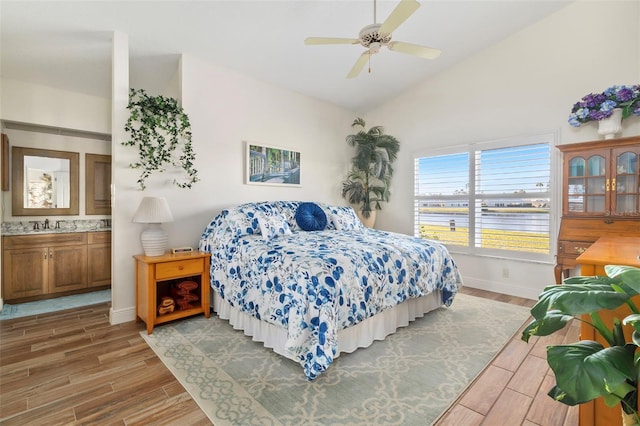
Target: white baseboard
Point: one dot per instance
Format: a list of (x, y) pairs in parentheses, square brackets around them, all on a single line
[(122, 315), (504, 288)]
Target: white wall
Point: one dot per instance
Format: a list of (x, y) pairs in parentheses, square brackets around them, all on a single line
[(46, 106), (124, 243), (523, 85), (226, 108)]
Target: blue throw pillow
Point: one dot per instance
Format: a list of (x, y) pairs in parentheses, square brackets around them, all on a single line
[(311, 217)]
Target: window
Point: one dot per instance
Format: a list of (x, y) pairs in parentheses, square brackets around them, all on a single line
[(492, 198)]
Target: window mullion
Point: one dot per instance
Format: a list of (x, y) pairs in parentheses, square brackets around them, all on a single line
[(472, 198)]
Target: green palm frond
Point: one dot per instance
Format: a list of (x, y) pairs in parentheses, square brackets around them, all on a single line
[(368, 183)]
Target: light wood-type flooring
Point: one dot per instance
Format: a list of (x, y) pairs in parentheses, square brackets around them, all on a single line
[(73, 367), (512, 390)]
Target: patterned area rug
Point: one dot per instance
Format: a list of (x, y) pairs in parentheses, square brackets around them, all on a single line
[(410, 378)]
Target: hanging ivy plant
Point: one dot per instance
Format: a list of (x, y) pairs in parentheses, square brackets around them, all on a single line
[(159, 127)]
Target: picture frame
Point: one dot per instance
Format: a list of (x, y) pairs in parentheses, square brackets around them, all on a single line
[(271, 165)]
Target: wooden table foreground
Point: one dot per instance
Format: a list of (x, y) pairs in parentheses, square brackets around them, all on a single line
[(607, 251)]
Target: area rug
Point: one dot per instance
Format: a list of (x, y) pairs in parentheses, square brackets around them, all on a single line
[(410, 378), (53, 305)]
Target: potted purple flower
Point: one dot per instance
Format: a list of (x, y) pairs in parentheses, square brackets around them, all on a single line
[(608, 108)]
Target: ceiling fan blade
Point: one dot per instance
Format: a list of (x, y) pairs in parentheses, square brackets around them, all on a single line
[(414, 49), (330, 40), (400, 14), (357, 67)]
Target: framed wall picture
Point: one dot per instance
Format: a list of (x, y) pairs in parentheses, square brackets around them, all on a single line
[(271, 165)]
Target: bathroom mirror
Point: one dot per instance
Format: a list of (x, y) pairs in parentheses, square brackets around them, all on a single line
[(44, 182)]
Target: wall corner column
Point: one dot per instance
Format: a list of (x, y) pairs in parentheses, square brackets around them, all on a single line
[(122, 276)]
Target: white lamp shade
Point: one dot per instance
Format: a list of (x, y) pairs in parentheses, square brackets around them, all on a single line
[(153, 210)]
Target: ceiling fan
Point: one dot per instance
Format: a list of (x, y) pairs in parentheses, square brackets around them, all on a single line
[(374, 36)]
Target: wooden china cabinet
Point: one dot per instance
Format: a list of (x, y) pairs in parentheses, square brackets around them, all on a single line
[(600, 196)]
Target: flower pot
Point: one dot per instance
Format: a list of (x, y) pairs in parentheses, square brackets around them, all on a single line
[(628, 419), (610, 126), (367, 221)]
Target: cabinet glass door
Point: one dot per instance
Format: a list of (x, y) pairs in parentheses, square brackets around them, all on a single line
[(625, 184), (587, 184), (576, 184), (596, 184)]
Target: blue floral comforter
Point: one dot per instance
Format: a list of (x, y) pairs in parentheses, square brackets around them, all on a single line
[(317, 283)]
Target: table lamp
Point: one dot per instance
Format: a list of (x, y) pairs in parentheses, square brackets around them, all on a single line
[(153, 211)]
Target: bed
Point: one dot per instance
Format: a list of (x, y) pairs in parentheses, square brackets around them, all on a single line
[(310, 281)]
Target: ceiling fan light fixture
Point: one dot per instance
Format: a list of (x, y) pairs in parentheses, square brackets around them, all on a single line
[(370, 34), (374, 36)]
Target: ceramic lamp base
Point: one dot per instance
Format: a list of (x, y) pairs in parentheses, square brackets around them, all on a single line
[(154, 240)]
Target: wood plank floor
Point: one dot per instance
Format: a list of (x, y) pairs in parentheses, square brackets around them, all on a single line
[(73, 367), (512, 390)]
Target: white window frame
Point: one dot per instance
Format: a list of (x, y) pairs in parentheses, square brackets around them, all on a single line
[(555, 178)]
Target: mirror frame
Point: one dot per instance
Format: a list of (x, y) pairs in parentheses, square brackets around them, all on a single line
[(17, 181)]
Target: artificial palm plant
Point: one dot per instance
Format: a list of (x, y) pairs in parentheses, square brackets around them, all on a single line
[(368, 182), (587, 370)]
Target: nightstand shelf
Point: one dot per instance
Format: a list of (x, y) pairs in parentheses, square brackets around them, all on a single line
[(158, 277)]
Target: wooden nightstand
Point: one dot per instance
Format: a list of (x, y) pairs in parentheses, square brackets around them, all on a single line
[(162, 276)]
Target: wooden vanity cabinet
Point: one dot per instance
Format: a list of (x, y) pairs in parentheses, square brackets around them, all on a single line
[(67, 268), (35, 266), (25, 272), (99, 259)]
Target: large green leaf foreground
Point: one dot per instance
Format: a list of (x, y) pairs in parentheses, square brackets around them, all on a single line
[(587, 370)]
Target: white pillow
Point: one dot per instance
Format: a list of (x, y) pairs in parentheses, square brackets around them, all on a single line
[(345, 219), (273, 226)]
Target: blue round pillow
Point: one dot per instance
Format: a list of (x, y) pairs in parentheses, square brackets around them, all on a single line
[(311, 217)]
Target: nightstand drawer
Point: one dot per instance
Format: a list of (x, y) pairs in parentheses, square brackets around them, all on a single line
[(178, 268)]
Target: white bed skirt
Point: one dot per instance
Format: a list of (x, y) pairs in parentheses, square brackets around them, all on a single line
[(360, 335)]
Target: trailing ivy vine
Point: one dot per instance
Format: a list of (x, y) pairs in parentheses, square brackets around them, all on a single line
[(159, 127)]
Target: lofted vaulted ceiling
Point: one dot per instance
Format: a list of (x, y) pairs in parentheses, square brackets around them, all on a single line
[(67, 44)]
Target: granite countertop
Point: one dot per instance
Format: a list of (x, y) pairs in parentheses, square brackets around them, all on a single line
[(64, 226), (53, 231)]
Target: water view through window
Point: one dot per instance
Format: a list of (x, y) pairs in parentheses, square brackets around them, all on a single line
[(496, 199)]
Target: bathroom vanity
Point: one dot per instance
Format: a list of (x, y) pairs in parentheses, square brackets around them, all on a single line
[(51, 264)]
